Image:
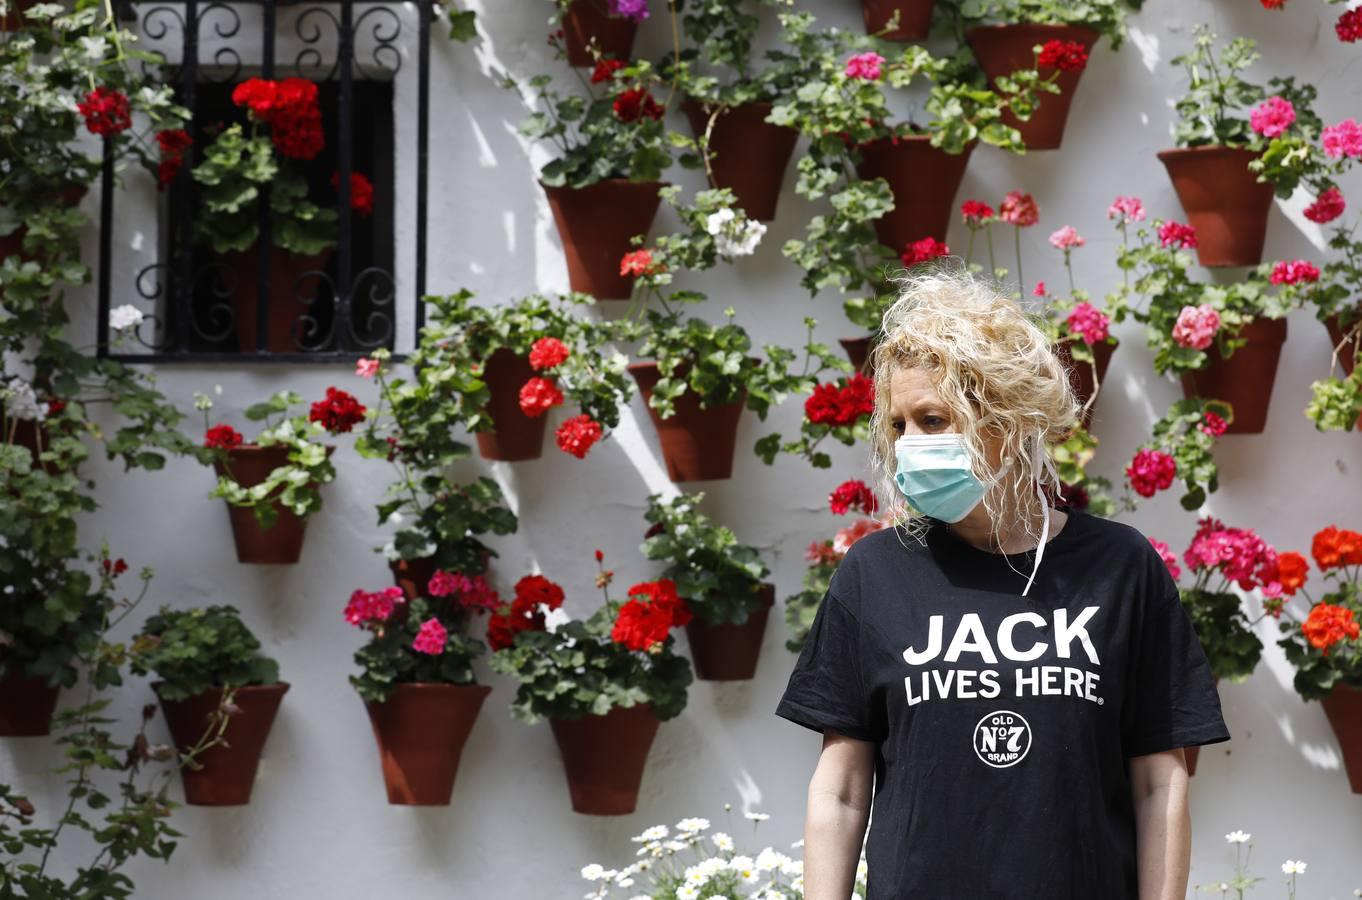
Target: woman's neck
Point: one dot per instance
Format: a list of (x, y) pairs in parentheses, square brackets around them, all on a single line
[(1013, 537)]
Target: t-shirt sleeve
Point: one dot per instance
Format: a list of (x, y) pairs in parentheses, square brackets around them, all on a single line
[(826, 691), (1173, 696)]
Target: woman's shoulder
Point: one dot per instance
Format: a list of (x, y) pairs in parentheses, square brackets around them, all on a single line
[(1111, 535)]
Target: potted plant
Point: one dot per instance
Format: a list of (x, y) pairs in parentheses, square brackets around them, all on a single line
[(729, 97), (824, 556), (591, 30), (1220, 558), (283, 130), (898, 20), (721, 581), (1326, 646), (271, 484), (417, 679), (1179, 448), (604, 683), (1050, 36), (611, 149), (1230, 158), (211, 674)]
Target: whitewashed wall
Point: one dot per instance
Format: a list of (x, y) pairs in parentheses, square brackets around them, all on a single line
[(319, 825)]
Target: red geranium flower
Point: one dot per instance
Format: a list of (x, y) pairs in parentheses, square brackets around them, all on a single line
[(1292, 570), (922, 251), (837, 405), (1151, 471), (538, 396), (222, 437), (173, 143), (639, 262), (652, 612), (578, 435), (361, 192), (1333, 547), (635, 103), (338, 413), (106, 111), (1213, 424), (853, 494), (1349, 26), (1294, 272), (1329, 205), (605, 69), (1177, 234), (547, 353), (1019, 209), (1067, 56), (975, 212), (1327, 625)]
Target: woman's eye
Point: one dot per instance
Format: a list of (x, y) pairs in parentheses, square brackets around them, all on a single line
[(898, 427)]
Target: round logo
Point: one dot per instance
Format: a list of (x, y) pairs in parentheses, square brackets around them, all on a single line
[(1002, 738)]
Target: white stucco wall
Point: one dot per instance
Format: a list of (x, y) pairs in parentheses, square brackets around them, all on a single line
[(319, 825)]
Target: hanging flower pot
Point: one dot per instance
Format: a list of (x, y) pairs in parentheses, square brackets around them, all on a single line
[(604, 757), (223, 775), (412, 575), (282, 543), (1081, 374), (1347, 353), (1343, 706), (517, 436), (729, 652), (915, 18), (1223, 200), (26, 705), (858, 353), (588, 21), (697, 444), (1004, 49), (421, 731), (1245, 379), (923, 180), (295, 280), (749, 154), (595, 224)]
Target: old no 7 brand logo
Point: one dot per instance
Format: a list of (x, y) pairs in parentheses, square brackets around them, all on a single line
[(1002, 738)]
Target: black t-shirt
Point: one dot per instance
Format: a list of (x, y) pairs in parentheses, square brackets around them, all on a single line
[(1003, 724)]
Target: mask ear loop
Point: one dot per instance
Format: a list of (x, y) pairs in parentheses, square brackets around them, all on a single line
[(1040, 458)]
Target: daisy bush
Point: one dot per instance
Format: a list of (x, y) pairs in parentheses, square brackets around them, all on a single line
[(690, 861), (622, 655), (1325, 644)]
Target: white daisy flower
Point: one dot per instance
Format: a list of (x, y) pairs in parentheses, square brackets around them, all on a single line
[(692, 826), (722, 841), (593, 872), (656, 833), (687, 892), (1293, 867), (757, 816), (1237, 837)]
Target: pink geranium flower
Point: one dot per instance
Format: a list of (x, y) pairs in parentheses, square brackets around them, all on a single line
[(1019, 209), (1294, 272), (1176, 234), (865, 66), (431, 638), (1329, 205), (1343, 139), (365, 608), (366, 367), (1089, 323), (1272, 117), (1151, 471), (1127, 209), (1066, 238), (1196, 326)]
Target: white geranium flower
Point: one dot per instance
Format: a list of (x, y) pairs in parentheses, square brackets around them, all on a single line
[(21, 402), (554, 618), (593, 872), (722, 841), (1293, 867), (715, 221), (124, 317), (692, 826), (742, 243), (1238, 837), (94, 47)]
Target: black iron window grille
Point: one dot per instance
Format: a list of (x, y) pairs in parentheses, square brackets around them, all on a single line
[(262, 304)]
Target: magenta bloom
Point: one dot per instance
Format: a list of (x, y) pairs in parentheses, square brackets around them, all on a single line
[(1039, 289), (1066, 238), (366, 367), (1343, 139), (1272, 117), (630, 9), (865, 66), (1329, 205), (473, 592), (1089, 323), (1151, 471), (1213, 424), (431, 638), (1129, 209), (1176, 234), (1196, 326), (1242, 556), (976, 212), (1294, 272), (1349, 26), (1169, 558), (365, 607)]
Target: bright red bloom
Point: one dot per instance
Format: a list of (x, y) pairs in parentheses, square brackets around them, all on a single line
[(533, 594), (361, 192), (1151, 471), (1333, 547), (338, 413), (1292, 571), (976, 213), (652, 612), (298, 136), (1067, 56), (222, 437), (922, 251), (291, 110), (173, 143), (1349, 26), (638, 262), (537, 589), (1019, 209), (1294, 272), (1273, 4), (1327, 625), (605, 70), (578, 434), (106, 111), (538, 396), (115, 567), (850, 495), (1176, 234), (837, 405), (1213, 424), (547, 352), (636, 103), (1329, 205), (257, 94)]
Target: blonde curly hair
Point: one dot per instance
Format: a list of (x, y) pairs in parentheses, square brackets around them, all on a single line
[(995, 370)]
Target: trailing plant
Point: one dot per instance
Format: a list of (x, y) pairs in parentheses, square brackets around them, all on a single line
[(1325, 646), (193, 651), (620, 656), (1180, 448), (839, 409), (719, 577)]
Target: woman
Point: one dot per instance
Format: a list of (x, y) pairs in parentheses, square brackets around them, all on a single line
[(1022, 725)]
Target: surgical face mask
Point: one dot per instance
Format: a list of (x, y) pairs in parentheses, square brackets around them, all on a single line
[(935, 474)]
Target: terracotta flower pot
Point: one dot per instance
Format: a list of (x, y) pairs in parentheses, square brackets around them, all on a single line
[(729, 652), (924, 182), (1245, 379), (595, 224), (604, 757), (413, 575), (1343, 706), (281, 544), (14, 19), (1081, 374), (1004, 49), (224, 774), (589, 20), (697, 444), (858, 353), (1347, 353), (517, 436), (915, 18), (748, 154), (421, 731), (1224, 202), (26, 705), (294, 278)]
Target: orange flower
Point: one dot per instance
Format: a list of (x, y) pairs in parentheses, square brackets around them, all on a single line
[(1328, 624), (1292, 570), (1324, 548)]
